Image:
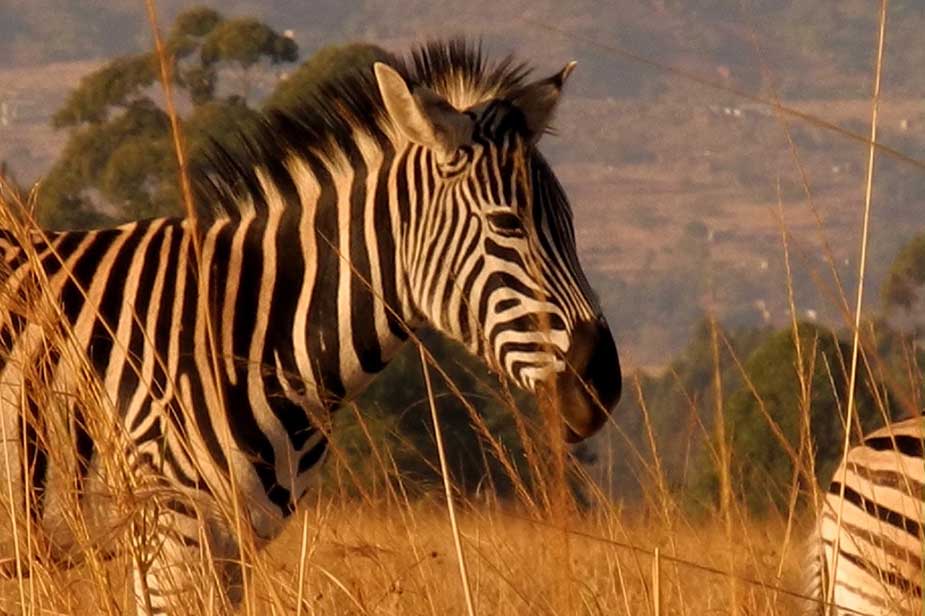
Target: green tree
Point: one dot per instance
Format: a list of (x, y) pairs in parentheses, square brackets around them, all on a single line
[(680, 403), (324, 65), (391, 422), (244, 43), (762, 468), (187, 36), (119, 163), (116, 85), (906, 276)]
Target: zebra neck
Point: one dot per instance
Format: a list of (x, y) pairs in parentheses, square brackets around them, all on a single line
[(438, 236), (315, 256)]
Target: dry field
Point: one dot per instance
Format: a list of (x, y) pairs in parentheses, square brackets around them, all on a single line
[(354, 558)]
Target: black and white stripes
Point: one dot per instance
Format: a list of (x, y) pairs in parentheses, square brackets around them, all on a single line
[(880, 491), (405, 194)]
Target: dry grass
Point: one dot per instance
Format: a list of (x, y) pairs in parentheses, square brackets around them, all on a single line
[(400, 560)]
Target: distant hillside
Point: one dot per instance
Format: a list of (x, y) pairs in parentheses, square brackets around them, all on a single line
[(677, 188), (810, 47)]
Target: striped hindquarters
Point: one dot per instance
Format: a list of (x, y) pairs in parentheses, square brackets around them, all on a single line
[(109, 305), (879, 542)]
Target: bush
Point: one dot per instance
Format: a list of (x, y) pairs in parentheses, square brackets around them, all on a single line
[(765, 418)]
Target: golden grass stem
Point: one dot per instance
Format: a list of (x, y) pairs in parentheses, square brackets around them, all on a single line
[(805, 379), (187, 193), (161, 52), (302, 557), (865, 233), (656, 584), (623, 586), (724, 465), (13, 516), (444, 471)]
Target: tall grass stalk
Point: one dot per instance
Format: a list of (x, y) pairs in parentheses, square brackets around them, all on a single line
[(448, 490), (244, 536), (862, 266)]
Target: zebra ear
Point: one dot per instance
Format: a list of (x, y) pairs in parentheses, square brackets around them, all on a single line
[(538, 101), (422, 116)]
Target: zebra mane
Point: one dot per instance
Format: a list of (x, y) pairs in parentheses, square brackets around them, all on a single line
[(323, 125)]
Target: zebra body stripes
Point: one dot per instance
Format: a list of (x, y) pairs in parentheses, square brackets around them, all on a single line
[(406, 195), (880, 543)]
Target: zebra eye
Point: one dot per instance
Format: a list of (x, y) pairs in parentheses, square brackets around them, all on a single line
[(456, 163), (506, 223)]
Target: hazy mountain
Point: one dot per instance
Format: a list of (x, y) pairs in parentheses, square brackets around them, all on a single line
[(677, 187)]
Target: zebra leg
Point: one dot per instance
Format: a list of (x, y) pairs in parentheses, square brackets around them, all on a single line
[(182, 561)]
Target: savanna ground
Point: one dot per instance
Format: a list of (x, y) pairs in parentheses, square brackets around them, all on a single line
[(357, 558)]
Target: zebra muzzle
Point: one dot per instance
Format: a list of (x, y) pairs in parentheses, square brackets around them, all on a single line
[(589, 388)]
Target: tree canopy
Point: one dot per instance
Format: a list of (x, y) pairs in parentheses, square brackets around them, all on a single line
[(323, 66), (387, 436), (769, 409), (119, 163), (906, 276)]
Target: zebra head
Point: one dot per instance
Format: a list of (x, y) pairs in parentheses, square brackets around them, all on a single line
[(489, 244)]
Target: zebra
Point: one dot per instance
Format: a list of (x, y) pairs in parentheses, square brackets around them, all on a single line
[(880, 543), (405, 194)]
